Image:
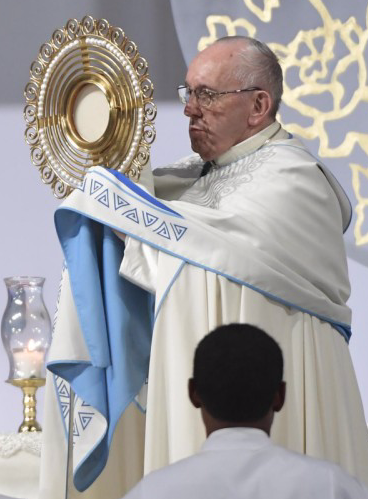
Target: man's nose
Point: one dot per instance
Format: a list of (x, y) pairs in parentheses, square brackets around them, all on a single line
[(192, 108)]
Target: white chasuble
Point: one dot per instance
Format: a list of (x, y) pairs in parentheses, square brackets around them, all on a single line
[(257, 240)]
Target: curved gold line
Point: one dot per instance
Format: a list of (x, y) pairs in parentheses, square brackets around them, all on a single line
[(264, 14), (362, 205)]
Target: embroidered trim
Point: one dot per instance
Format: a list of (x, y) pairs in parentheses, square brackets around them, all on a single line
[(193, 161), (222, 181)]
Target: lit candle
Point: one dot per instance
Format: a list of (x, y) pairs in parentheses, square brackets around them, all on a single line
[(28, 361)]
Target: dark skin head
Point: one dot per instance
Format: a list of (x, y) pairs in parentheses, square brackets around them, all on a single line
[(212, 424)]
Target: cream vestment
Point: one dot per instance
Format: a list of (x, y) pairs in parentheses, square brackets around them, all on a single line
[(258, 240)]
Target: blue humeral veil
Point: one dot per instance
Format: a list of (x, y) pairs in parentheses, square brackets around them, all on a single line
[(116, 319)]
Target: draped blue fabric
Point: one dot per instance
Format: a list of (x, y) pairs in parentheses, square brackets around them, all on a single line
[(116, 318)]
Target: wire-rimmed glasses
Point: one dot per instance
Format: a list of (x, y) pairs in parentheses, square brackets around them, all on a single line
[(205, 96)]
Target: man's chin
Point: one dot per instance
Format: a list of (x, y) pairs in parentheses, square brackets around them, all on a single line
[(204, 154)]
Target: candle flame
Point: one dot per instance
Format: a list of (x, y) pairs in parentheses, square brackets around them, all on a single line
[(31, 345)]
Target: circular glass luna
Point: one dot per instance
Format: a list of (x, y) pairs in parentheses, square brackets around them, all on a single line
[(91, 112)]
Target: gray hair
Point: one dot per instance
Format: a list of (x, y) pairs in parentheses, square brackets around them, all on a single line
[(258, 66)]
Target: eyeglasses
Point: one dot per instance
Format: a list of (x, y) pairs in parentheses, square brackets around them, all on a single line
[(204, 96)]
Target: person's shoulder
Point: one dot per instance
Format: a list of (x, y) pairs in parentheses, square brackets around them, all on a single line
[(176, 469), (193, 162), (164, 482), (304, 463), (321, 473), (295, 148)]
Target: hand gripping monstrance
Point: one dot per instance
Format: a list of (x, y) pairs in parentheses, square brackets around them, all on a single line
[(89, 102)]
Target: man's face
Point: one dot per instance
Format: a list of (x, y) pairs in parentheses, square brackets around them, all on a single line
[(214, 129)]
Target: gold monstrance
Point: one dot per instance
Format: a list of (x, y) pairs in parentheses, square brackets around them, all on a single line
[(89, 102)]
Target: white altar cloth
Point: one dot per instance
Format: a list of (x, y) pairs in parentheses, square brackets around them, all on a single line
[(20, 465)]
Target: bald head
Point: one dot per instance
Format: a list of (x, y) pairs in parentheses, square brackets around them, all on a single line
[(253, 64)]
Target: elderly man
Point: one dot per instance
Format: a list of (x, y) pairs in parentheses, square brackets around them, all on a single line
[(248, 229)]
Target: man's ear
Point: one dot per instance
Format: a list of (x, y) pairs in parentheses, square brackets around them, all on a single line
[(279, 399), (193, 396), (261, 107)]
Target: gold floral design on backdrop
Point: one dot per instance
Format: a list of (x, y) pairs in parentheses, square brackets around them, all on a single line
[(264, 14), (360, 178)]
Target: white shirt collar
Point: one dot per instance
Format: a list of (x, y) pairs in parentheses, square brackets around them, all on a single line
[(228, 438), (251, 144)]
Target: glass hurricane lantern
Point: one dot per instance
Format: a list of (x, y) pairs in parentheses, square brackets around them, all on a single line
[(26, 335)]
